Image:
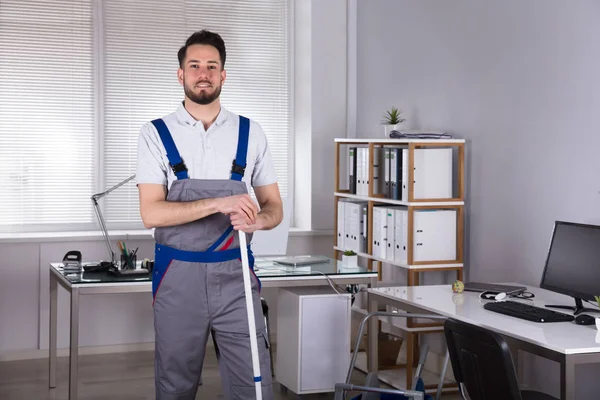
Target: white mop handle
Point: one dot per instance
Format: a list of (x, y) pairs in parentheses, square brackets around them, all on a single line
[(250, 310)]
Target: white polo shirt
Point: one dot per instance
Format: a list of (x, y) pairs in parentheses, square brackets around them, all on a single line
[(207, 154)]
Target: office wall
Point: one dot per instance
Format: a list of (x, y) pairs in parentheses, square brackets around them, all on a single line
[(519, 80), (320, 99)]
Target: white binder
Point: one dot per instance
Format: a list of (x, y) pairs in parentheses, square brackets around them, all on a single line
[(364, 229), (359, 171), (353, 226), (432, 174), (348, 242), (401, 235), (366, 171), (404, 176), (390, 233), (394, 173), (340, 224), (434, 235), (376, 239), (380, 231)]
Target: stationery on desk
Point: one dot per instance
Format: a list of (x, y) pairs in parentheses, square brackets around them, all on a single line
[(128, 262)]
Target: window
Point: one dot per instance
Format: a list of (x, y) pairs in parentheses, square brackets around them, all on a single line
[(79, 78)]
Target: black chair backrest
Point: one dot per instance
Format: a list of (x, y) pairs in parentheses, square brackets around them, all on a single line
[(481, 361)]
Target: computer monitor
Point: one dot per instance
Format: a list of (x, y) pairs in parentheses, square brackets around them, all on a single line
[(573, 264)]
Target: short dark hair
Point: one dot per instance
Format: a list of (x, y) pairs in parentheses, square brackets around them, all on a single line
[(203, 37)]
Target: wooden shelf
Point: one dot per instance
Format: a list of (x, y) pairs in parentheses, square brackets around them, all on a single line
[(420, 267), (384, 200)]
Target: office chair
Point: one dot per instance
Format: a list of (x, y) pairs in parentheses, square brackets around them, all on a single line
[(483, 365)]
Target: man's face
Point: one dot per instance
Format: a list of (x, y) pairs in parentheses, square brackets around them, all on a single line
[(202, 74)]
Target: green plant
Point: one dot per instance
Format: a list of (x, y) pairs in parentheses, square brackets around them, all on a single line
[(392, 117), (597, 300), (349, 253)]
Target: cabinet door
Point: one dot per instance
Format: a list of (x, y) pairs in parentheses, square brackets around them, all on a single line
[(434, 235), (325, 341)]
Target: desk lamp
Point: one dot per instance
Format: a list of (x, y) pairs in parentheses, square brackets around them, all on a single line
[(95, 199)]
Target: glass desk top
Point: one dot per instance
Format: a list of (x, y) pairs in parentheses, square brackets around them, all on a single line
[(264, 267)]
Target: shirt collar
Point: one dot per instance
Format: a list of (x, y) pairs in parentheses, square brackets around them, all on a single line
[(185, 117)]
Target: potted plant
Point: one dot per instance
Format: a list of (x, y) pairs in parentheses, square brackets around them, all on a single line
[(391, 120), (597, 318), (350, 259)]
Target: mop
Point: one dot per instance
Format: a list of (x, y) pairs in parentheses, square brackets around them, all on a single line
[(251, 321)]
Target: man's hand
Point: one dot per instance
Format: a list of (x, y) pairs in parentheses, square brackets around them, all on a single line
[(241, 209), (240, 223)]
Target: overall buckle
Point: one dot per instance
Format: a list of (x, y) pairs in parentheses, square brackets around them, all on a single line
[(238, 169), (181, 167)]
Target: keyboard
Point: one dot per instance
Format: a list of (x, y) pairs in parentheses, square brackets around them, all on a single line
[(528, 312)]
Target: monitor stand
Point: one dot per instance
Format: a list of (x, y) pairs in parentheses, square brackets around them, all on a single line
[(577, 309)]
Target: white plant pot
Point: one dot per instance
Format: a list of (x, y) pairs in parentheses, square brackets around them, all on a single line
[(349, 261), (389, 128)]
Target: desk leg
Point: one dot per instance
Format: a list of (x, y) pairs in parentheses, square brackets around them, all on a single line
[(74, 345), (53, 318), (372, 335), (567, 379), (410, 358)]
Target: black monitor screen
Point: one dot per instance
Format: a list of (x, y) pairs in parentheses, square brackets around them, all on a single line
[(573, 263)]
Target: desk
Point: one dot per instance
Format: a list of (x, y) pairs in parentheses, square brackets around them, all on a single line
[(78, 284), (565, 342)]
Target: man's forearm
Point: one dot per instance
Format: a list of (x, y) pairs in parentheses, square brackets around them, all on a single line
[(173, 213), (270, 216)]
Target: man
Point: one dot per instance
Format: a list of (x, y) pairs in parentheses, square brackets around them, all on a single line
[(194, 169)]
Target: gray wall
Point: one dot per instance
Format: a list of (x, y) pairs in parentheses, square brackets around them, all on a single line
[(519, 80)]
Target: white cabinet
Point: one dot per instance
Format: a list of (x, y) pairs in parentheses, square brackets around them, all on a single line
[(434, 233), (313, 339)]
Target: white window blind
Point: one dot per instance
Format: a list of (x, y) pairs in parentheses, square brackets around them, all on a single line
[(46, 114), (79, 78), (141, 40)]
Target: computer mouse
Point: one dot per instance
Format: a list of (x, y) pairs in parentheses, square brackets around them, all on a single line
[(584, 319)]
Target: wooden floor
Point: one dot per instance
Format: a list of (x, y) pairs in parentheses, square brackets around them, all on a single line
[(121, 376)]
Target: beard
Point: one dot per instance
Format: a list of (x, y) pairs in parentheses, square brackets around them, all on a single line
[(202, 98)]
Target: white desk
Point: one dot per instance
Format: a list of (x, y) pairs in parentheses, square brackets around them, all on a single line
[(78, 284), (565, 342)]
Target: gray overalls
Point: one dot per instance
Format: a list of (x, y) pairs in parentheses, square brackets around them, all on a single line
[(198, 288)]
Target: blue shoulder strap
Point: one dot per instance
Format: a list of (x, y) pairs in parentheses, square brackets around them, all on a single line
[(239, 164), (177, 164)]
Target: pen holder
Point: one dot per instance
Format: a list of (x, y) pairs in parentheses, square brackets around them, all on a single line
[(128, 262)]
